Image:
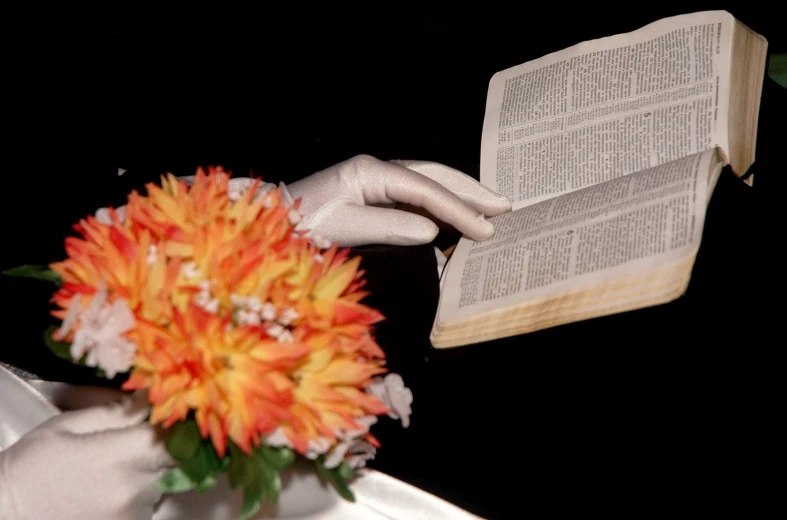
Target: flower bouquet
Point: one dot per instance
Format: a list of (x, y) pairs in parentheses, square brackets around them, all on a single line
[(250, 341)]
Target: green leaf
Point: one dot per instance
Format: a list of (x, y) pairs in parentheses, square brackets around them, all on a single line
[(196, 456), (345, 471), (341, 487), (245, 471), (58, 348), (207, 484), (184, 440), (269, 476), (242, 470), (335, 477), (175, 481), (279, 458), (258, 474), (205, 463), (39, 272), (252, 501)]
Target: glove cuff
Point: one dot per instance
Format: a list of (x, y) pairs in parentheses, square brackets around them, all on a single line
[(7, 502)]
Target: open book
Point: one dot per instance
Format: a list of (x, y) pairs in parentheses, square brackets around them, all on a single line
[(609, 152)]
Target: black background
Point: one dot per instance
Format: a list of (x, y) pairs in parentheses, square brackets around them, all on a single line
[(671, 408)]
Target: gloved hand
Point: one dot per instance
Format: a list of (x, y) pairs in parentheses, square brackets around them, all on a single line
[(353, 203), (99, 462), (341, 203)]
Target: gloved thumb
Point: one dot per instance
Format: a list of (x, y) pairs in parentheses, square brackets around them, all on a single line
[(129, 411)]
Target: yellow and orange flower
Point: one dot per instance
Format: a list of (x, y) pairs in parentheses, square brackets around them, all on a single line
[(239, 317)]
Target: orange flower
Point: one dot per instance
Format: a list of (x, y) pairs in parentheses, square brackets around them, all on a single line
[(234, 377), (239, 318)]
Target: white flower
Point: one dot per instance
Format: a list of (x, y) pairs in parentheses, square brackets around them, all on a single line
[(71, 318), (319, 259), (235, 191), (245, 317), (204, 300), (103, 216), (152, 254), (287, 316), (321, 242), (394, 395), (275, 330), (189, 270), (100, 334), (286, 337), (350, 442), (317, 447), (277, 438), (268, 311), (359, 453), (254, 304)]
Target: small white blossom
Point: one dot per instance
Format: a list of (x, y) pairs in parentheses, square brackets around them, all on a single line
[(287, 316), (152, 254), (268, 311), (264, 190), (189, 270), (317, 447), (235, 191), (275, 330), (204, 300), (286, 337), (104, 217), (254, 304), (394, 395), (294, 216), (319, 259), (71, 316), (321, 242), (211, 305), (245, 317), (277, 438)]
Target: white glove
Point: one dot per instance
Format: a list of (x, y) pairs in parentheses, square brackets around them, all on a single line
[(341, 203), (99, 462), (352, 203)]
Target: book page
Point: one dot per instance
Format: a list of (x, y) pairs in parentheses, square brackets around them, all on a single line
[(586, 237), (608, 107)]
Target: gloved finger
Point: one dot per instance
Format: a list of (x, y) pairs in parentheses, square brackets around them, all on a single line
[(143, 446), (465, 187), (76, 397), (123, 414), (348, 225), (390, 182)]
